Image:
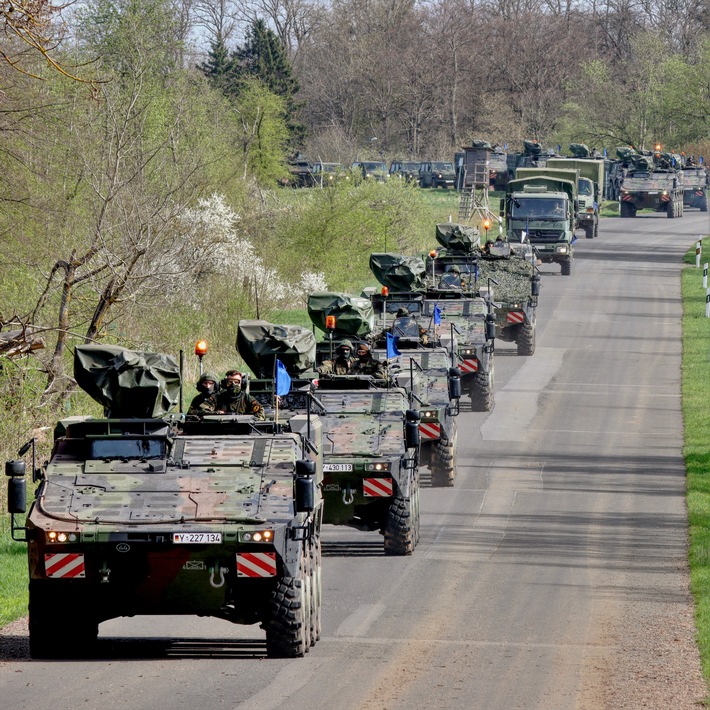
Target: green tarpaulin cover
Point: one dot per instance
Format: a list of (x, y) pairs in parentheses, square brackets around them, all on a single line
[(127, 383), (398, 272), (259, 343), (457, 237), (353, 314)]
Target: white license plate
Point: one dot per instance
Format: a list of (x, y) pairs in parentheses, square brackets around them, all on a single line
[(197, 538), (337, 467), (655, 192)]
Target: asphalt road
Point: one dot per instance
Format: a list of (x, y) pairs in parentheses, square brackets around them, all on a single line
[(567, 514)]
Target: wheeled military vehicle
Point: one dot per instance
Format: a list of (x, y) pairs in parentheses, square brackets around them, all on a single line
[(437, 173), (407, 170), (542, 210), (590, 190), (647, 186), (371, 440), (449, 312), (147, 512), (695, 187), (503, 272)]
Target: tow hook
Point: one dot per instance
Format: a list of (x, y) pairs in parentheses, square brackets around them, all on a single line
[(348, 496), (104, 574)]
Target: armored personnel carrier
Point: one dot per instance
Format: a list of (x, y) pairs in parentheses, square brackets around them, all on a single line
[(504, 273), (447, 307), (649, 186), (147, 512), (370, 444), (695, 187)]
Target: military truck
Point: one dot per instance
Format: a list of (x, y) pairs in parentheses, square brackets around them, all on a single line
[(647, 186), (590, 190), (695, 187), (371, 441), (148, 512), (413, 286), (542, 210), (407, 170)]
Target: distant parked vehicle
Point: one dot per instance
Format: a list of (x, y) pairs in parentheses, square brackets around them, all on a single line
[(437, 174), (329, 173), (372, 170), (406, 169)]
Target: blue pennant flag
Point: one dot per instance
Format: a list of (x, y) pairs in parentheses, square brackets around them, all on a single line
[(283, 379), (392, 346), (437, 315), (574, 239), (605, 153)]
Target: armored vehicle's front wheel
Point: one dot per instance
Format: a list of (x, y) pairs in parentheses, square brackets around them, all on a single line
[(401, 527), (54, 633), (589, 231), (443, 463), (526, 339), (703, 204), (566, 267), (627, 210), (671, 210), (288, 631), (481, 392)]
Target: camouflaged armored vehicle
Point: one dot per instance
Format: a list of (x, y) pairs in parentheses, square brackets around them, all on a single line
[(695, 187), (147, 512), (504, 273), (647, 186), (371, 435), (453, 311)]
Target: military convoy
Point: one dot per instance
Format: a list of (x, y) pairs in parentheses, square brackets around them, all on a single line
[(695, 187), (148, 512)]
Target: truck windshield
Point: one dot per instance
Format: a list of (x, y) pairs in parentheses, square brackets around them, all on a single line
[(585, 188), (538, 208)]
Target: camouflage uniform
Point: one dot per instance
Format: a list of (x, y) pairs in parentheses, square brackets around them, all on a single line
[(206, 401), (369, 366), (239, 403), (339, 365)]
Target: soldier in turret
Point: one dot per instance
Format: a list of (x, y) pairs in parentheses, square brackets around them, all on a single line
[(232, 399), (206, 400), (366, 364), (341, 363)]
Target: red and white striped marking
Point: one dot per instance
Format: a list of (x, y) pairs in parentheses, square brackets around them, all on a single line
[(256, 564), (467, 366), (515, 317), (430, 430), (67, 565), (377, 487)]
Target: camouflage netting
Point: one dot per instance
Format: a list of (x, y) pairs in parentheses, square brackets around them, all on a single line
[(353, 314), (128, 384), (457, 237), (398, 272), (579, 150), (532, 148), (513, 274), (260, 343)]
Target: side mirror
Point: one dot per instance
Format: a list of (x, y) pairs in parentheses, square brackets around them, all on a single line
[(535, 287), (15, 468), (454, 383), (304, 467), (412, 436), (501, 207), (490, 327), (16, 495), (413, 415)]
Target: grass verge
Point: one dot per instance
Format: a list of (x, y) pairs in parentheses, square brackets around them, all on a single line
[(696, 416), (13, 578)]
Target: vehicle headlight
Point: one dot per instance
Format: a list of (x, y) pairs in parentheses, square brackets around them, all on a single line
[(562, 249), (429, 413), (378, 466), (54, 536), (258, 536)]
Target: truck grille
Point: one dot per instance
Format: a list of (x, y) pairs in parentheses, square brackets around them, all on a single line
[(543, 235)]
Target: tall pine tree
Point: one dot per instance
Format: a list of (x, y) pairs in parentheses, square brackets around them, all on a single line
[(218, 66), (264, 57)]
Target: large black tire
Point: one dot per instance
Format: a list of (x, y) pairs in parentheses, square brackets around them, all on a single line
[(589, 231), (287, 627), (401, 525), (443, 464), (481, 392), (566, 267), (56, 633), (626, 209), (671, 209), (703, 204), (526, 339)]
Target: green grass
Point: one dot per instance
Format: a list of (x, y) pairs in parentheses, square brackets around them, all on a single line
[(696, 415), (13, 578)]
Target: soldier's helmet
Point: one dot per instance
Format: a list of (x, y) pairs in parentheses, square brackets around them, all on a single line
[(346, 345), (402, 313), (202, 385), (454, 269)]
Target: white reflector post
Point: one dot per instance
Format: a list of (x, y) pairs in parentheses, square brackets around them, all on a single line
[(698, 251), (707, 303), (705, 275)]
